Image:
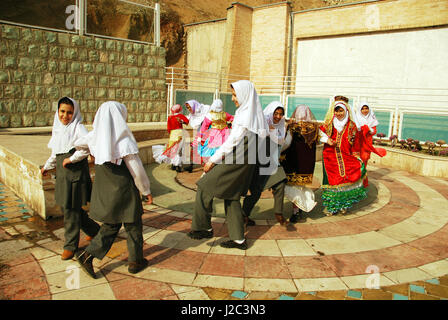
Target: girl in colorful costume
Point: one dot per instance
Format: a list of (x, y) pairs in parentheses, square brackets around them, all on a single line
[(343, 170), (214, 130), (175, 149), (366, 121), (299, 161)]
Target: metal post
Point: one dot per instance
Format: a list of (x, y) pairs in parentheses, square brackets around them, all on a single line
[(81, 17), (157, 24)]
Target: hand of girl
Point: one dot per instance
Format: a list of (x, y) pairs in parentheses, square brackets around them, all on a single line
[(208, 166), (330, 142), (66, 162), (43, 171), (149, 199)]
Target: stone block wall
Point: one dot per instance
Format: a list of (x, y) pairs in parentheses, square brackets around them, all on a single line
[(38, 67)]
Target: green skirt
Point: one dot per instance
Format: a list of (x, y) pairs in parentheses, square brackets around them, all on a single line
[(115, 198), (73, 184)]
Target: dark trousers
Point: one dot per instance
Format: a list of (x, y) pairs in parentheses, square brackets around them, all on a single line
[(203, 214), (278, 190), (102, 242), (74, 221)]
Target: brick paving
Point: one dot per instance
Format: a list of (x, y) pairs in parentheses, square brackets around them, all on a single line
[(403, 233)]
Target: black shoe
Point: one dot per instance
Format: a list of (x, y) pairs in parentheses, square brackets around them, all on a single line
[(296, 217), (85, 261), (189, 168), (135, 267), (178, 169), (198, 235), (173, 167), (249, 222), (233, 244)]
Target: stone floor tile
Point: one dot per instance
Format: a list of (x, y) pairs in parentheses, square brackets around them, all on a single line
[(165, 275), (131, 288), (266, 267), (41, 253), (182, 289), (332, 295), (407, 275), (262, 295), (218, 294), (366, 281), (397, 296), (436, 269), (278, 285), (306, 296), (320, 284), (437, 290), (296, 247), (223, 265), (198, 294), (230, 283), (421, 296), (402, 289), (96, 292), (73, 278), (376, 294), (264, 248), (25, 290), (308, 267)]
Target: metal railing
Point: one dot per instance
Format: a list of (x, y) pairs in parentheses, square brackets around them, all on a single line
[(394, 102)]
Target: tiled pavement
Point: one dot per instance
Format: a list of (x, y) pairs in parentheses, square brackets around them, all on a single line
[(398, 241)]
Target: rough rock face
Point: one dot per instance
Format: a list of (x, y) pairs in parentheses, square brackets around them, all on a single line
[(118, 19)]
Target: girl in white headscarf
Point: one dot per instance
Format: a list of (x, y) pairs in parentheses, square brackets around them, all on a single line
[(119, 179), (214, 130), (274, 114), (230, 181), (73, 184), (197, 113), (343, 169), (366, 122), (299, 161)]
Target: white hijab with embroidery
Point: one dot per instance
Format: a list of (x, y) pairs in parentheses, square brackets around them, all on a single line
[(249, 114), (63, 136), (111, 139), (369, 119)]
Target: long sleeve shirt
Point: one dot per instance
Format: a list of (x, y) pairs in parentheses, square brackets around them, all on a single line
[(236, 136), (134, 165)]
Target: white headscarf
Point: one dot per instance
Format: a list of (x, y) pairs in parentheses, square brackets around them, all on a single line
[(216, 106), (249, 114), (63, 136), (269, 116), (111, 139), (369, 120), (340, 124), (303, 113), (198, 112)]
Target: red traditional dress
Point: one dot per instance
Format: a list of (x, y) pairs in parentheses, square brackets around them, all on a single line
[(367, 129), (343, 172), (176, 144)]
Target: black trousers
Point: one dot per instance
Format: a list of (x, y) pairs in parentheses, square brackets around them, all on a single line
[(102, 242), (74, 221), (203, 214), (278, 191)]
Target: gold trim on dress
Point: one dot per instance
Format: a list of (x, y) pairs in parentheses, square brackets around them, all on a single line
[(297, 179)]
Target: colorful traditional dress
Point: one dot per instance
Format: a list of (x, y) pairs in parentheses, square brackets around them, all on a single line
[(299, 159), (174, 151), (367, 126), (214, 130), (343, 172)]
